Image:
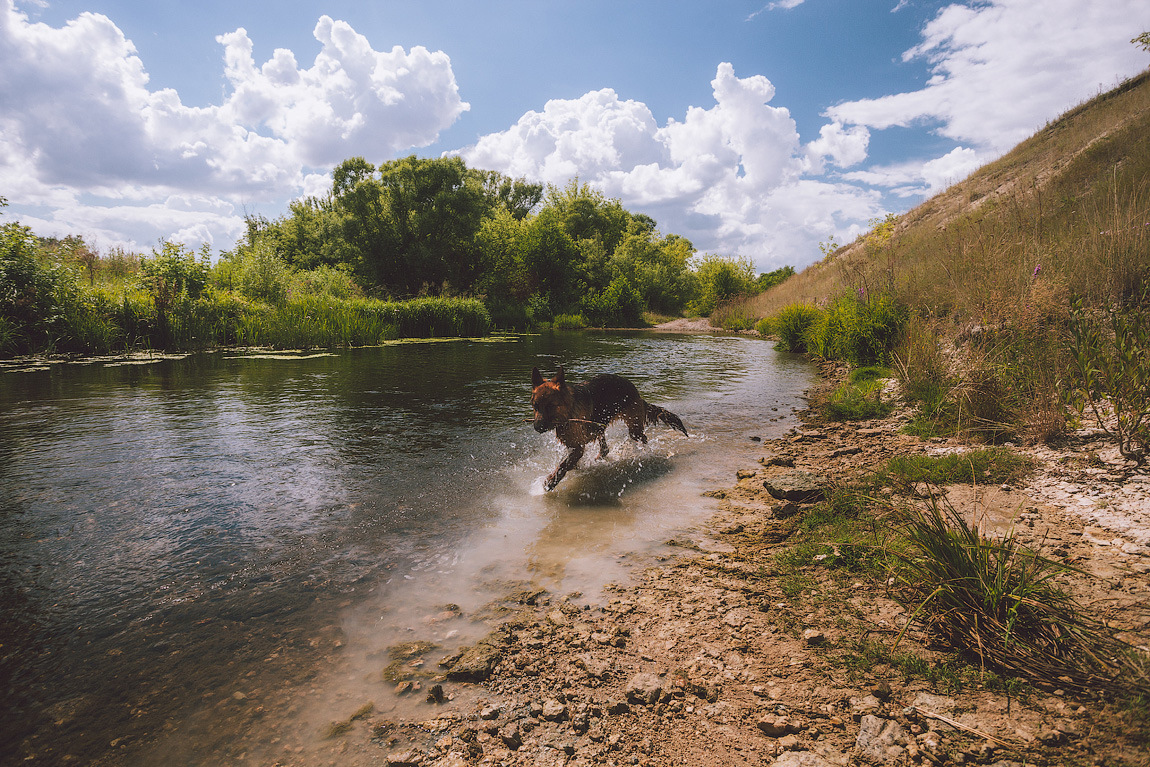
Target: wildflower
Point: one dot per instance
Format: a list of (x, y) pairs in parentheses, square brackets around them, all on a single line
[(1037, 269)]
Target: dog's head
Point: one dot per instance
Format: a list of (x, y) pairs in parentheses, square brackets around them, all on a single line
[(552, 400)]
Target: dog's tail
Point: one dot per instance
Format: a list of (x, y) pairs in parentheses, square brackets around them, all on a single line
[(656, 413)]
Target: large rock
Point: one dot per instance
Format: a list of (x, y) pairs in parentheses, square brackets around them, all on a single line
[(476, 663), (796, 486)]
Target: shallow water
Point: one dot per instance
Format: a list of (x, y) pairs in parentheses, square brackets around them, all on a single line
[(206, 558)]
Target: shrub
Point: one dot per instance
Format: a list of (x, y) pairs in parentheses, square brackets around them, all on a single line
[(720, 280), (791, 326), (857, 402), (856, 330), (1112, 364), (765, 326), (570, 322), (619, 305)]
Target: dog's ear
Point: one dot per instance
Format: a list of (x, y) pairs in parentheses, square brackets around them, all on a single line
[(536, 378), (559, 376)]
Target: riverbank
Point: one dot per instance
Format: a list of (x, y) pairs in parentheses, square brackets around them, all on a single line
[(711, 657)]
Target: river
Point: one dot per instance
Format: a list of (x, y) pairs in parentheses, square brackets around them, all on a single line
[(204, 559)]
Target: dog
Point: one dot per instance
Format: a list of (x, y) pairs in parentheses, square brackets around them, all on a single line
[(580, 414)]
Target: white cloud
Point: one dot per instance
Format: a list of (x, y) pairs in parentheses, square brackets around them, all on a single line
[(844, 147), (77, 116), (729, 177), (1001, 69)]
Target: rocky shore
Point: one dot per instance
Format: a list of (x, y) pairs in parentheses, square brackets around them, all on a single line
[(711, 657)]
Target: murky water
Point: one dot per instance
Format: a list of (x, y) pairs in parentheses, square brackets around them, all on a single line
[(203, 560)]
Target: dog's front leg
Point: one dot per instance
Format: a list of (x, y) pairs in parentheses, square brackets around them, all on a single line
[(565, 466)]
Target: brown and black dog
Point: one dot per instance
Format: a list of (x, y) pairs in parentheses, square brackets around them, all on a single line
[(580, 414)]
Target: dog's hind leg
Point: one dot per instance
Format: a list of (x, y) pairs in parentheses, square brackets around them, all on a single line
[(603, 449), (635, 417), (566, 465)]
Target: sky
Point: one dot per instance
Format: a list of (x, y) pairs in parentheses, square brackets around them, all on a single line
[(754, 128)]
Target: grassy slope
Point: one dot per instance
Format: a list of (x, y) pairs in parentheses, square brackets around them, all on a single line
[(1074, 198)]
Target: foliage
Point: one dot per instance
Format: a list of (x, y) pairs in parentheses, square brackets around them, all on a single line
[(1002, 604), (857, 402), (570, 322), (861, 331), (27, 292), (768, 280), (765, 326), (983, 466), (792, 324), (1111, 362), (618, 306), (719, 280)]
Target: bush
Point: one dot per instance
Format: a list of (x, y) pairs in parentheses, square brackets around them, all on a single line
[(721, 280), (570, 322), (765, 326), (1112, 365), (792, 324), (858, 331), (620, 305)]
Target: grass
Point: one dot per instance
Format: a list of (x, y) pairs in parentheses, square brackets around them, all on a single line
[(1002, 605), (980, 466)]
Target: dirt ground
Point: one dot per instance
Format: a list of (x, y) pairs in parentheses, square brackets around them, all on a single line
[(708, 657)]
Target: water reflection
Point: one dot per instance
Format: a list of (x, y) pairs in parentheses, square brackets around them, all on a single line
[(176, 533)]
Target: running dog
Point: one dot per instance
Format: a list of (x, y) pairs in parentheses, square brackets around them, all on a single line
[(580, 414)]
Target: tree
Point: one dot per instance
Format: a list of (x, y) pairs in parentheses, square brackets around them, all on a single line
[(516, 196), (768, 280), (585, 214), (657, 266), (1142, 41), (721, 279)]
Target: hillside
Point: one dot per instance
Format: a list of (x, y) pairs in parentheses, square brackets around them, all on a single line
[(1074, 199)]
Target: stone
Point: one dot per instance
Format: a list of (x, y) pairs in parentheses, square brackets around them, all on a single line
[(491, 712), (745, 474), (796, 486), (554, 711), (453, 759), (879, 738), (803, 759), (786, 463), (408, 758), (865, 705), (476, 663), (511, 736), (785, 509), (814, 638), (597, 669), (644, 688), (774, 726)]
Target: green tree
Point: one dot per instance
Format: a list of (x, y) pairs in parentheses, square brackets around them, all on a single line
[(768, 280), (659, 267), (515, 195), (173, 275), (586, 214), (720, 280)]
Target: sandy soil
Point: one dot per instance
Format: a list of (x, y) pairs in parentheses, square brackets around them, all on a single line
[(710, 657)]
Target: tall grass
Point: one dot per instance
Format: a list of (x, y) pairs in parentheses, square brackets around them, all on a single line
[(1002, 605)]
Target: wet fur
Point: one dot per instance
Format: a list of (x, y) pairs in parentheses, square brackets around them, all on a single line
[(580, 414)]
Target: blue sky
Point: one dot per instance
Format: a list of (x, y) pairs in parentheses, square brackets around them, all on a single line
[(755, 129)]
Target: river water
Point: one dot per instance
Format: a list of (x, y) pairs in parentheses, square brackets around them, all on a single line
[(202, 560)]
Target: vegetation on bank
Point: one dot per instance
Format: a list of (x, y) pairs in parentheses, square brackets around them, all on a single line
[(1012, 305), (413, 247)]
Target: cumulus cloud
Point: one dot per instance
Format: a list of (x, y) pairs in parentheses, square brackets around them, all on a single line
[(729, 176), (1002, 68), (77, 116)]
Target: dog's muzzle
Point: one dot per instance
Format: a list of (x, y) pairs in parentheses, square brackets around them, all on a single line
[(542, 427)]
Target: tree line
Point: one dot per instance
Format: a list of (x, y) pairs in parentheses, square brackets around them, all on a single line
[(434, 227)]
